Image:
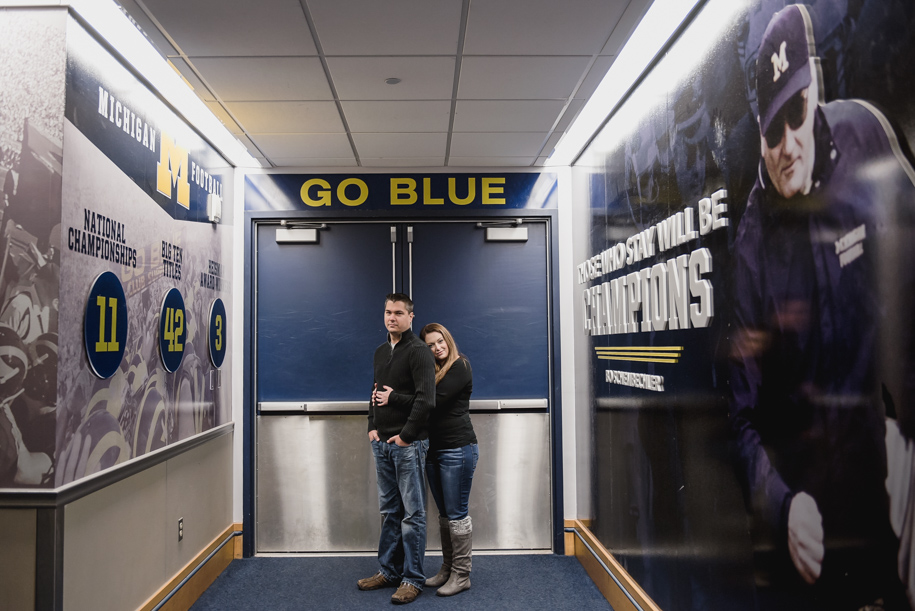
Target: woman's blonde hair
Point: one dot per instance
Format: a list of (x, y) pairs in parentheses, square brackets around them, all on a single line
[(453, 355)]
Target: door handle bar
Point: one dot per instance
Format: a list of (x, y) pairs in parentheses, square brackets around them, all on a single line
[(362, 406)]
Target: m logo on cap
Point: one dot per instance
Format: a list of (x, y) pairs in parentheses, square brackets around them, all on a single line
[(780, 62)]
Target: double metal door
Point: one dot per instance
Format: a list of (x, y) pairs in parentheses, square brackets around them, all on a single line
[(319, 305)]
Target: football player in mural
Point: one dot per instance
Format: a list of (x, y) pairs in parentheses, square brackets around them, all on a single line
[(22, 461), (29, 278), (808, 393)]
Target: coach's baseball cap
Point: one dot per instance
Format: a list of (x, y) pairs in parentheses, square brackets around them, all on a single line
[(782, 66)]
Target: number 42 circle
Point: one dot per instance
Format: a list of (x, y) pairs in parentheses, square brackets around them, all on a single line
[(172, 330)]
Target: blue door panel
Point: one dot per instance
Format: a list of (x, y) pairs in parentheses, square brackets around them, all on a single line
[(493, 297), (320, 306), (320, 312)]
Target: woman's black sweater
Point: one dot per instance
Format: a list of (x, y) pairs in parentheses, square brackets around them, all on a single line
[(449, 424)]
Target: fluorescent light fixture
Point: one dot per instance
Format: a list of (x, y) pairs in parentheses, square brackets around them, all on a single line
[(657, 26), (106, 18), (693, 48)]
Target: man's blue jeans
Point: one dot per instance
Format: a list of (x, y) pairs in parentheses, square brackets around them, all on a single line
[(450, 475), (402, 502)]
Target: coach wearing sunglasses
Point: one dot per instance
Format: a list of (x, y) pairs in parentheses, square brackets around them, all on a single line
[(808, 393)]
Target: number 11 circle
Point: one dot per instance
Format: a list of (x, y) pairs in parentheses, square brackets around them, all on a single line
[(105, 325), (172, 330)]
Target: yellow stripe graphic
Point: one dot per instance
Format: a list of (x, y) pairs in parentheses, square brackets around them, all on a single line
[(651, 348), (639, 359), (642, 354)]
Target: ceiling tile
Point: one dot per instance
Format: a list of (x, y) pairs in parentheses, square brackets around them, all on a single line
[(627, 23), (397, 116), (149, 28), (322, 162), (595, 75), (221, 114), (422, 78), (551, 142), (304, 145), (520, 78), (540, 27), (523, 144), (403, 162), (287, 117), (490, 161), (264, 78), (252, 148), (370, 27), (569, 115), (199, 88), (400, 145), (506, 115), (216, 27)]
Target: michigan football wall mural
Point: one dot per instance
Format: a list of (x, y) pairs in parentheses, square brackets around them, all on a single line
[(117, 254), (747, 300)]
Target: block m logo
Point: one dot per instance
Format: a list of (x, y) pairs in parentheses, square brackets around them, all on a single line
[(172, 171), (780, 63)]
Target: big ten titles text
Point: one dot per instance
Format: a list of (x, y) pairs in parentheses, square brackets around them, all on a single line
[(172, 257)]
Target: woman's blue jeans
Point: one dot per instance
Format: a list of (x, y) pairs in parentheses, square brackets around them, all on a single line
[(450, 473)]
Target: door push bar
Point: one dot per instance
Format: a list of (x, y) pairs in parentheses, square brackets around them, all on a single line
[(312, 406), (362, 406)]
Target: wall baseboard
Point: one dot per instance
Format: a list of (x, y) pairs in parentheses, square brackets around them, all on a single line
[(203, 578), (614, 582)]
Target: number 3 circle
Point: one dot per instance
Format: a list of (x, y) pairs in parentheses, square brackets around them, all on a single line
[(217, 333)]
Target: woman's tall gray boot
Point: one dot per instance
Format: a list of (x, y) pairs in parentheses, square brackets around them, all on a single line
[(462, 544), (445, 572)]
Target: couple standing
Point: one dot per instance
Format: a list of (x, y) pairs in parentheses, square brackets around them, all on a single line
[(419, 421)]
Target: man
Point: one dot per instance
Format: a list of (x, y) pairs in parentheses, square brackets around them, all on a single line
[(807, 415), (400, 439)]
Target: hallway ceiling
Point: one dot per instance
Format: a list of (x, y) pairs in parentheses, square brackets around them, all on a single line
[(302, 83)]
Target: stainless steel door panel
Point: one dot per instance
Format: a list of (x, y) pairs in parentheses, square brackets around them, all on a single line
[(316, 488), (510, 497)]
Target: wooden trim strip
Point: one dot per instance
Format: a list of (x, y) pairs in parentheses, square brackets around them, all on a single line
[(612, 589), (191, 591)]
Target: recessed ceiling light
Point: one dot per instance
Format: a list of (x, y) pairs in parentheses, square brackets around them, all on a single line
[(392, 81)]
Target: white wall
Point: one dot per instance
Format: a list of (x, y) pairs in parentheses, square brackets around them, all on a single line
[(237, 345), (576, 408)]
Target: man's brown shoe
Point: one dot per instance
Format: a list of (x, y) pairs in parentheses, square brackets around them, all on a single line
[(375, 582), (406, 593)]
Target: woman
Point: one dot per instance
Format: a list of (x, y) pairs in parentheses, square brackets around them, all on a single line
[(452, 458)]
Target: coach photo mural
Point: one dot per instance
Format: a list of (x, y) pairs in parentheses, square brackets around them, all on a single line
[(116, 259), (748, 301)]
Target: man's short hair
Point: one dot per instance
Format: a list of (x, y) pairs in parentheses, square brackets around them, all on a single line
[(400, 297), (783, 63)]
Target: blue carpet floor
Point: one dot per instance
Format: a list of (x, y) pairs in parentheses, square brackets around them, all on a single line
[(506, 583)]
